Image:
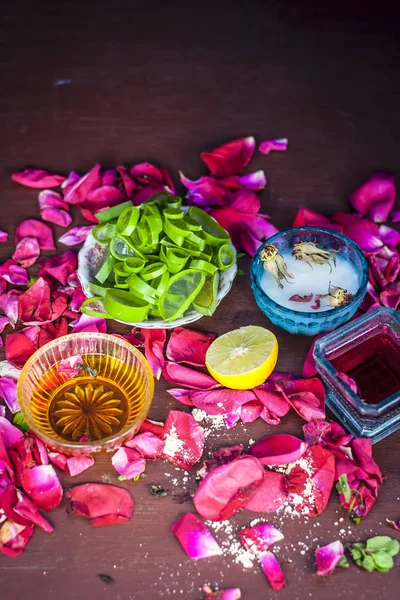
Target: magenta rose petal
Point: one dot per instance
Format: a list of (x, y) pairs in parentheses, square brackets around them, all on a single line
[(3, 236), (27, 252), (42, 486), (272, 571), (271, 495), (19, 508), (195, 538), (390, 296), (128, 463), (8, 391), (14, 537), (226, 594), (395, 216), (4, 321), (298, 298), (394, 524), (37, 178), (274, 402), (58, 216), (223, 456), (205, 192), (181, 395), (309, 218), (50, 198), (327, 557), (255, 181), (38, 230), (188, 346), (9, 433), (362, 231), (245, 201), (375, 197), (88, 323), (180, 375), (79, 188), (309, 369), (183, 439), (277, 145), (221, 401), (154, 342), (103, 504), (260, 537), (389, 236), (76, 235), (230, 158), (228, 488), (250, 411), (147, 444), (60, 266), (71, 366), (278, 449), (127, 181), (73, 465), (13, 273), (18, 349)]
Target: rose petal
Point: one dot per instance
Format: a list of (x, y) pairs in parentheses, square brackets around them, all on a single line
[(3, 236), (260, 537), (298, 298), (375, 197), (181, 395), (78, 190), (228, 487), (323, 464), (4, 321), (180, 375), (73, 465), (183, 439), (223, 456), (230, 158), (72, 178), (50, 198), (389, 236), (18, 349), (277, 145), (195, 538), (148, 174), (14, 538), (251, 181), (69, 366), (153, 427), (227, 594), (309, 369), (34, 305), (147, 444), (38, 230), (327, 557), (127, 181), (395, 216), (205, 192), (8, 433), (271, 495), (220, 402), (307, 398), (250, 411), (272, 571), (37, 178), (395, 524), (42, 486), (188, 346), (390, 296), (128, 463), (330, 435), (60, 266), (8, 391), (56, 215), (278, 449), (19, 508), (103, 197), (274, 402), (244, 201), (76, 235), (104, 504), (87, 323), (13, 273), (154, 341), (309, 218), (27, 252), (363, 232)]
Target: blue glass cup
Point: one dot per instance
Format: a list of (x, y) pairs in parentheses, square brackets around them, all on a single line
[(309, 323)]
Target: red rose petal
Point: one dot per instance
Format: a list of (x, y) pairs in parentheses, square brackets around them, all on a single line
[(153, 427), (127, 181), (230, 158), (260, 537), (271, 495), (58, 216), (14, 537), (38, 230), (76, 235), (195, 538), (18, 349), (375, 197), (272, 571), (183, 439), (19, 508), (34, 305), (180, 375), (78, 190), (228, 488), (278, 449), (73, 465), (27, 252), (37, 178), (60, 266), (327, 557), (277, 145), (42, 486), (154, 341), (309, 369), (245, 201), (104, 504), (309, 218), (188, 346), (298, 298), (128, 463), (148, 444)]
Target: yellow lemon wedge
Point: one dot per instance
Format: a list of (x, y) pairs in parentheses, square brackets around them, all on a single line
[(243, 358)]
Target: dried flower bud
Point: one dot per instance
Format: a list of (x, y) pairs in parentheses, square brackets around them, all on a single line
[(337, 296), (312, 253), (275, 264)]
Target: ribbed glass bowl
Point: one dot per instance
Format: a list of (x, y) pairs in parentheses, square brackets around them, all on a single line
[(114, 400), (309, 323)]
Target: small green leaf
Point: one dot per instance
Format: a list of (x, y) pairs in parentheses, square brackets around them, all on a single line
[(343, 562), (383, 543), (368, 564), (356, 520), (20, 422), (240, 272), (121, 478), (106, 578), (359, 545), (393, 548), (383, 562), (343, 487), (356, 553)]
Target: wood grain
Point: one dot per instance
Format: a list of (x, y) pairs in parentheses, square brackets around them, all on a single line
[(121, 81)]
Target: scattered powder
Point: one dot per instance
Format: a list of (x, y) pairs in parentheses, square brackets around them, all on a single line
[(173, 443), (231, 546), (251, 441)]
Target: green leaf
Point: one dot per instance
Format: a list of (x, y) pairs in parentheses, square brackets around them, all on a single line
[(106, 578), (343, 487), (121, 478), (343, 562), (20, 422), (356, 553), (359, 545), (368, 563), (240, 272), (383, 543), (383, 562)]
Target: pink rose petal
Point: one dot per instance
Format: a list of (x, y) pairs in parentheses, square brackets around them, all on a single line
[(76, 235), (13, 273), (195, 538), (251, 181), (8, 391), (60, 266), (183, 439), (73, 465), (245, 201), (298, 298), (363, 232), (78, 190), (327, 557), (230, 158), (395, 524), (205, 192), (390, 296), (87, 323), (220, 402), (250, 411), (375, 197), (228, 488), (309, 218), (272, 571), (389, 236), (42, 486), (188, 346), (395, 216), (128, 463), (38, 230), (18, 349), (260, 537), (8, 433), (37, 178), (154, 341), (50, 198), (278, 449), (4, 321), (181, 395), (180, 375), (3, 236), (27, 252), (14, 537), (277, 145), (69, 366), (56, 215), (155, 427), (19, 508), (104, 504), (271, 495), (226, 594), (148, 444)]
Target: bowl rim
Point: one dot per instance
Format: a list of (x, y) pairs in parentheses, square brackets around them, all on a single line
[(75, 446), (317, 315)]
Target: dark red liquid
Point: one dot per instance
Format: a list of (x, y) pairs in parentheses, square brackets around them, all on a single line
[(375, 367)]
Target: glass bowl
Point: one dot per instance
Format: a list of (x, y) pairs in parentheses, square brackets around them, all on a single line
[(85, 392), (309, 323)]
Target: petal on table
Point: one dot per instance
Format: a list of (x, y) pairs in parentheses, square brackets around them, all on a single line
[(18, 349), (272, 571), (195, 538), (37, 178), (251, 181), (60, 266), (230, 158), (8, 391), (221, 401), (76, 235), (73, 465), (33, 228), (78, 190), (188, 346), (278, 449), (14, 537), (128, 463), (42, 486), (3, 236), (375, 197), (58, 216), (271, 495), (48, 198), (181, 375), (327, 557), (154, 342), (277, 145), (148, 444), (87, 323), (9, 433), (13, 273), (27, 252), (363, 232), (183, 439), (104, 504), (260, 537), (389, 236)]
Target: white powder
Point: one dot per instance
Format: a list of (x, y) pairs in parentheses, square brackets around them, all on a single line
[(173, 443)]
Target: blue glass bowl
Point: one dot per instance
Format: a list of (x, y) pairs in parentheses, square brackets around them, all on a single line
[(310, 323)]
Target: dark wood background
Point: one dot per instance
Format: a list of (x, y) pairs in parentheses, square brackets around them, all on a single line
[(123, 81)]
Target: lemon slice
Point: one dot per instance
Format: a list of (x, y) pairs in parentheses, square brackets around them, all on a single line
[(243, 358)]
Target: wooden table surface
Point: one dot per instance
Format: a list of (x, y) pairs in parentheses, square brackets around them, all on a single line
[(123, 81)]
